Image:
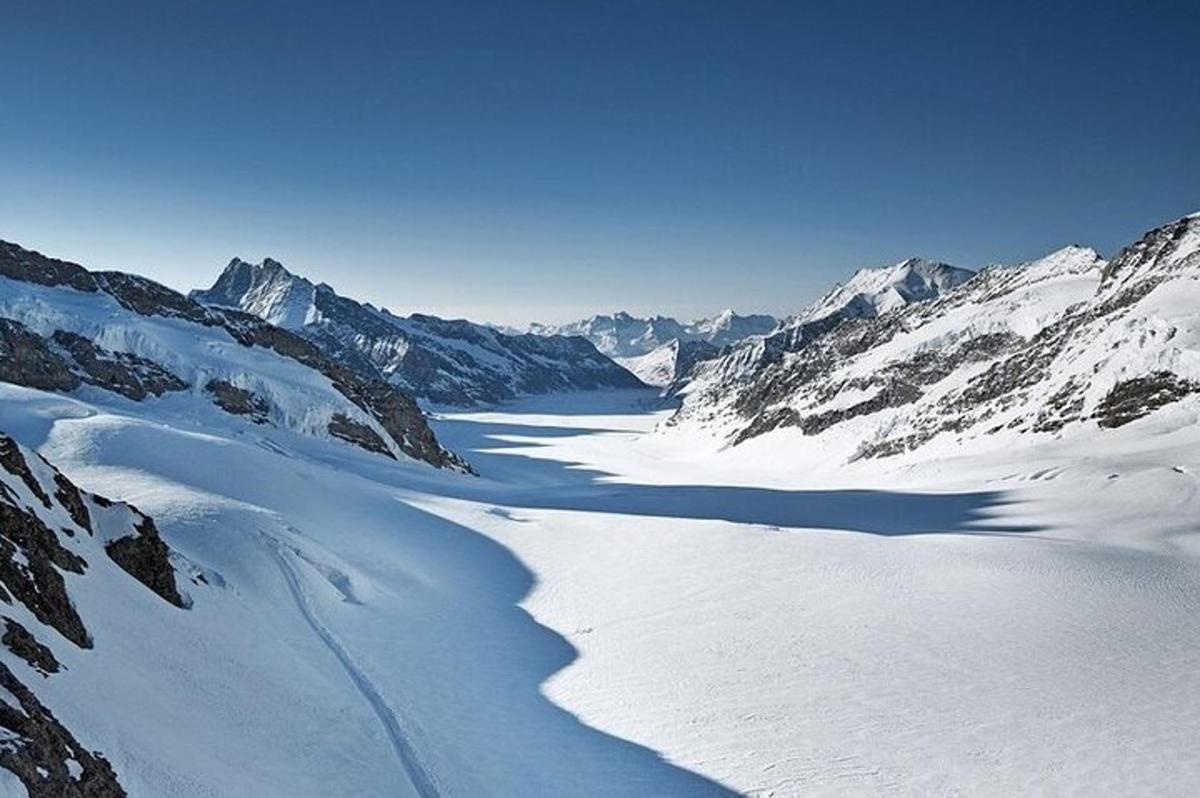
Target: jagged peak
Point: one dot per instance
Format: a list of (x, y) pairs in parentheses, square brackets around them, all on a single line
[(1169, 245)]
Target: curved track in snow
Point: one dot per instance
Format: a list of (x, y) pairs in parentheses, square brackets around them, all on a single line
[(422, 783)]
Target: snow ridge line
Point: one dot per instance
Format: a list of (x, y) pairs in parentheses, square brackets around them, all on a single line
[(423, 784)]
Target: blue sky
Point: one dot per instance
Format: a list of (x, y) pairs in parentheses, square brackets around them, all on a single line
[(520, 161)]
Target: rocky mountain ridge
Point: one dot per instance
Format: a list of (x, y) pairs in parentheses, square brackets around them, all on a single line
[(1057, 343), (448, 362), (62, 326)]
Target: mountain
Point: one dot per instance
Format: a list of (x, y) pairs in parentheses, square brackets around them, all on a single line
[(64, 328), (1065, 341), (870, 292), (621, 335), (670, 363), (866, 294), (660, 350), (450, 362), (728, 328), (227, 567)]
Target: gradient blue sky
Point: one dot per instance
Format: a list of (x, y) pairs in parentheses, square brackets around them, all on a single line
[(517, 161)]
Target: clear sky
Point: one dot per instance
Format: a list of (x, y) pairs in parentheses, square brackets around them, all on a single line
[(513, 161)]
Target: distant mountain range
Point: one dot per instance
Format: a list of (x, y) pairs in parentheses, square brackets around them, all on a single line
[(663, 351), (660, 349), (450, 362), (621, 335)]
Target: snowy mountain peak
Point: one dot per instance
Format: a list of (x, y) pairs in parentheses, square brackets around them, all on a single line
[(1072, 259), (1162, 250), (872, 291), (267, 290)]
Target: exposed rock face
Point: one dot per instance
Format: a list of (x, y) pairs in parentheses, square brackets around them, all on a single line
[(20, 641), (346, 428), (72, 500), (445, 361), (868, 294), (129, 375), (393, 409), (31, 558), (1036, 348), (146, 558), (669, 365), (239, 401), (46, 524), (23, 264), (39, 749), (68, 359), (26, 360), (71, 358), (149, 298), (1132, 399), (32, 554)]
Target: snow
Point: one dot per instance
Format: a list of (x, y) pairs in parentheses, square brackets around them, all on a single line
[(621, 606), (870, 292), (609, 610)]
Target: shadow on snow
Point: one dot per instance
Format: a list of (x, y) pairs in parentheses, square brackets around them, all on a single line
[(494, 449), (439, 632)]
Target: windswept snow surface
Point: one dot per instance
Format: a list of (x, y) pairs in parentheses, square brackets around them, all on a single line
[(612, 611)]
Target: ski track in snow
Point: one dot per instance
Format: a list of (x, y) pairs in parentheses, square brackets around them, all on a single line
[(422, 782)]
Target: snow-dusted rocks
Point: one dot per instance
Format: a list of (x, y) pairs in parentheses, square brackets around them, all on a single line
[(451, 362), (52, 532), (866, 294), (62, 327)]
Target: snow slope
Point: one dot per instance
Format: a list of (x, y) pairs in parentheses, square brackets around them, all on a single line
[(616, 606), (609, 611), (928, 627), (670, 363), (791, 626)]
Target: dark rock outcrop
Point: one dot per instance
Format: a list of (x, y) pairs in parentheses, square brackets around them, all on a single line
[(40, 750), (25, 359), (146, 558), (29, 266), (1014, 348), (34, 745), (31, 558), (131, 376), (20, 641), (239, 401), (351, 431), (71, 499), (1132, 399)]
